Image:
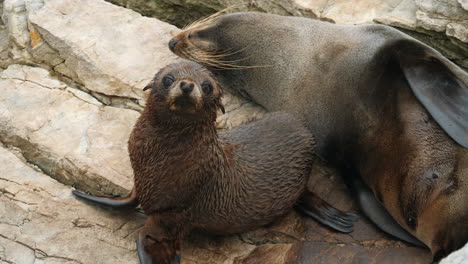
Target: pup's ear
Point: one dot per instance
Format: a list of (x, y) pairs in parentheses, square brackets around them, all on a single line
[(221, 106), (149, 85)]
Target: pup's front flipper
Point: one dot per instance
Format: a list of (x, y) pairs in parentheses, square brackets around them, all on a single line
[(129, 201), (312, 205), (153, 246), (378, 214)]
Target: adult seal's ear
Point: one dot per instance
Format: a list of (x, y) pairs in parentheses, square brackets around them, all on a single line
[(439, 85)]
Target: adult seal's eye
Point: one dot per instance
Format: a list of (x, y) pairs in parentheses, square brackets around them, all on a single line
[(168, 80), (207, 88)]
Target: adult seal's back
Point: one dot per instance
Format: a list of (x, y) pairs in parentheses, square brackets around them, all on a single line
[(383, 106)]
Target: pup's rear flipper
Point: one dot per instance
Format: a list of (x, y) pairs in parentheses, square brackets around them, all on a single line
[(312, 205), (378, 214), (153, 246), (129, 201)]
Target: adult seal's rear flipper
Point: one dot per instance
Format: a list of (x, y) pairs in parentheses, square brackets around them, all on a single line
[(129, 201), (440, 86), (375, 211), (313, 206)]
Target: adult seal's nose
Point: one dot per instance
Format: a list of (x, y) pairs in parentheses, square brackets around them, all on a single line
[(186, 87), (172, 43)]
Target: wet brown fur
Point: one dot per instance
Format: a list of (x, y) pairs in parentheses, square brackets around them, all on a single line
[(188, 176)]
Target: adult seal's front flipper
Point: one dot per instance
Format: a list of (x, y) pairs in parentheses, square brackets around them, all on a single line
[(440, 86), (129, 201), (375, 211)]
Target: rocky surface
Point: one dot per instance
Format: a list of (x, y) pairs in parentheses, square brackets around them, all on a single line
[(41, 222), (442, 24), (70, 85), (86, 54), (64, 131)]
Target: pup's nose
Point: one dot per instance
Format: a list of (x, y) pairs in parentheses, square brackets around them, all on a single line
[(186, 87), (172, 43)]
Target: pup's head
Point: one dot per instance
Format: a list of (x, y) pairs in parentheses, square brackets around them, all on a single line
[(185, 89)]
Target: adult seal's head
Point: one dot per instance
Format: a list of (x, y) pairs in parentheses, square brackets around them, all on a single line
[(382, 105)]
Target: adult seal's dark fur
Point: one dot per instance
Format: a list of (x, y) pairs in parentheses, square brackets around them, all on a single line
[(188, 176), (383, 106)]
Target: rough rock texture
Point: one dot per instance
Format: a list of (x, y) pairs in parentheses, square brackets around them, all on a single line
[(41, 222), (70, 85), (74, 138), (87, 54), (442, 24)]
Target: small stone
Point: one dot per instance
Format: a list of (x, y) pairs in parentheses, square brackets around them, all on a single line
[(82, 223)]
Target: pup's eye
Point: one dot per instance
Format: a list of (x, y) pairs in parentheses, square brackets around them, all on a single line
[(168, 80), (206, 87)]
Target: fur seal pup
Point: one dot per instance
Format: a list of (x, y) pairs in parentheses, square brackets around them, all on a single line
[(384, 107), (189, 176)]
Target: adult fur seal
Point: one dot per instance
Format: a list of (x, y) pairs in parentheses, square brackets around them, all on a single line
[(383, 106), (187, 176)]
